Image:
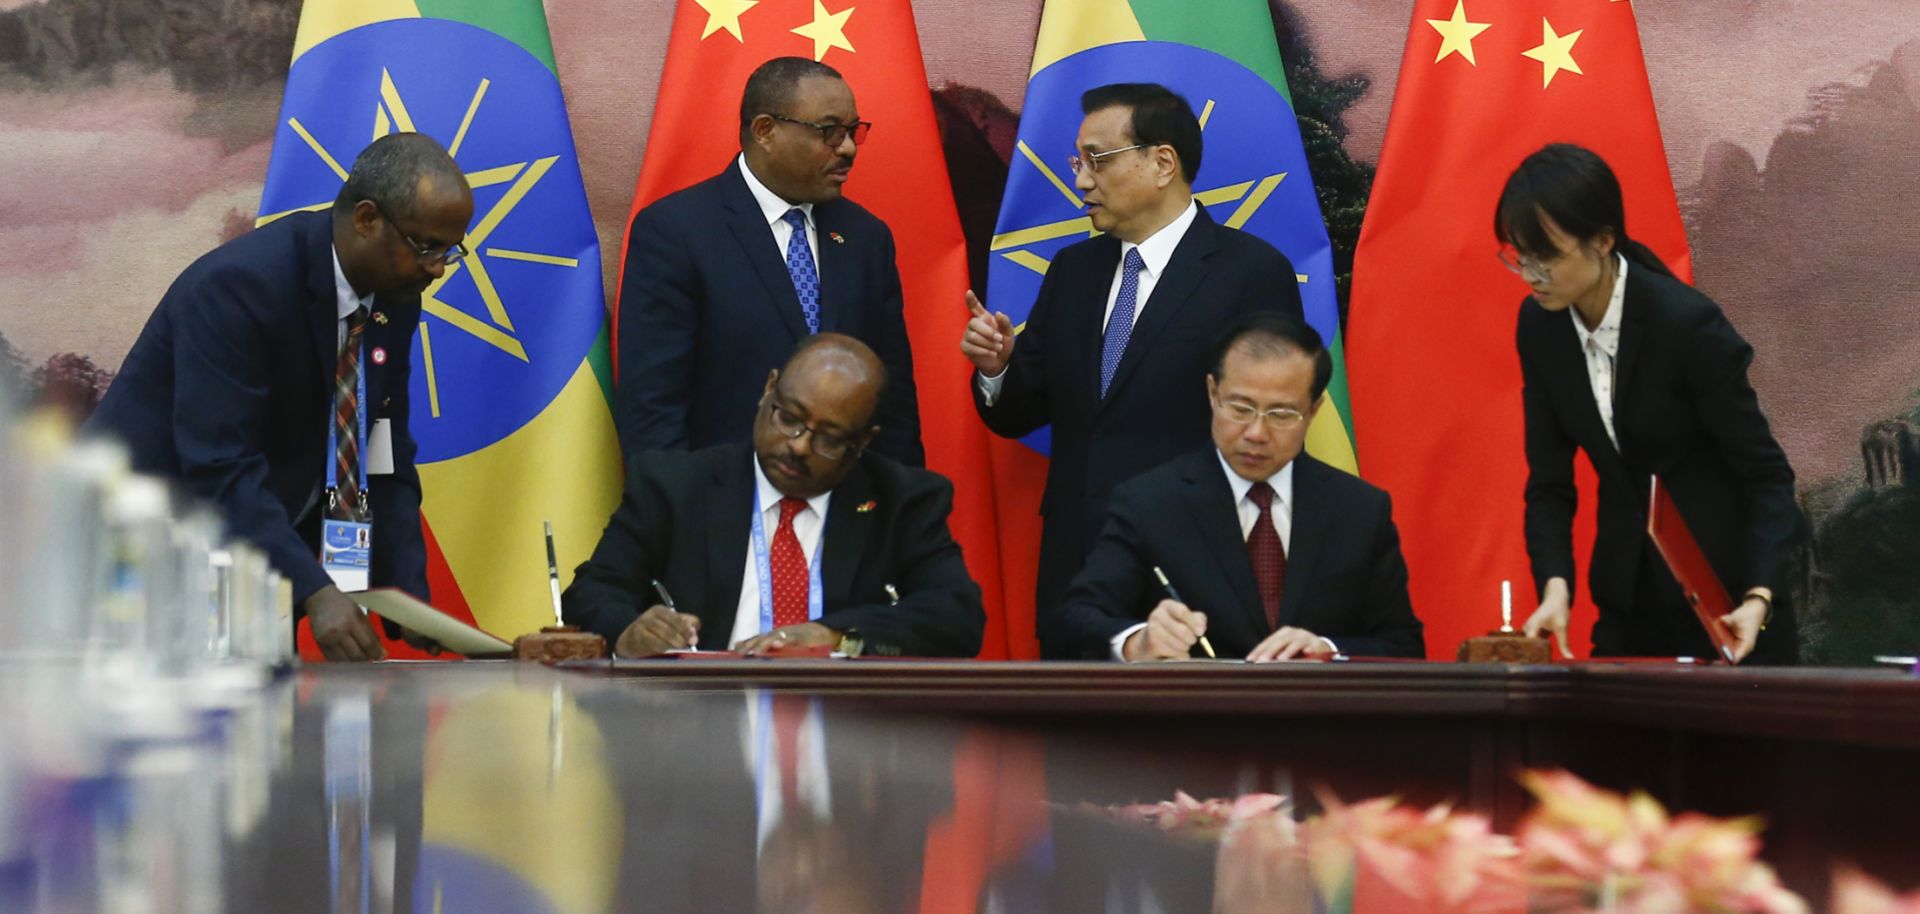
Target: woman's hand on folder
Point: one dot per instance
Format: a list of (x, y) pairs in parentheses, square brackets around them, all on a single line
[(1744, 623), (1556, 607)]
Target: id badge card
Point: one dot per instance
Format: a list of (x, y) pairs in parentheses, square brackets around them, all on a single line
[(346, 552)]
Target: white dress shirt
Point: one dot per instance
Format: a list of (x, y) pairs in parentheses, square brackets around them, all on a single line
[(775, 209), (1155, 252), (806, 527), (1280, 515), (1601, 346)]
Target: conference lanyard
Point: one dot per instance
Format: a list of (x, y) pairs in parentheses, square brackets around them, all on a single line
[(763, 569), (333, 441)]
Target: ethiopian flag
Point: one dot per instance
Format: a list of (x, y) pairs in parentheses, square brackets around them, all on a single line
[(1223, 58), (510, 379)]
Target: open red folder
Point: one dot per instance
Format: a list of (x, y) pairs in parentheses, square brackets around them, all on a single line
[(1705, 593)]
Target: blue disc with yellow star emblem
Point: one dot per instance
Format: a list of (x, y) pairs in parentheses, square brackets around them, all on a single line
[(1253, 169), (501, 333)]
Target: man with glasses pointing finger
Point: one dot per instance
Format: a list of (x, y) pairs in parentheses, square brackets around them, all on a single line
[(1269, 554), (803, 539), (722, 278), (1114, 353)]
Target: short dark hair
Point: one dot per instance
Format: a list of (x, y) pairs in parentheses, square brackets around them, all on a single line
[(771, 87), (1573, 186), (1160, 118), (389, 170), (1271, 334)]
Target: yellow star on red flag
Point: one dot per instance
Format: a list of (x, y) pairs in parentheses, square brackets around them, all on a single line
[(1457, 34), (828, 30), (1555, 53), (725, 14)]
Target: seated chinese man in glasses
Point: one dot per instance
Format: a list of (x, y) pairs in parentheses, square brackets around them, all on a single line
[(1249, 549), (801, 539)]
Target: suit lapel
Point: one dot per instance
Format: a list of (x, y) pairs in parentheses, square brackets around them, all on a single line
[(1569, 366), (1633, 337), (1089, 317), (835, 267), (1211, 508), (1311, 520), (749, 227), (323, 311), (1183, 273), (845, 538), (730, 510)]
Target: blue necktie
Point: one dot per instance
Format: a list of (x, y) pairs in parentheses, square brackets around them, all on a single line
[(1120, 325), (806, 280)]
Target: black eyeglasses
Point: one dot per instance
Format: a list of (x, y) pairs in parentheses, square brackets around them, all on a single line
[(828, 446), (830, 133), (449, 255)]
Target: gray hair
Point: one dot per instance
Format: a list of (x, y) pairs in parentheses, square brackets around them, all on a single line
[(389, 171)]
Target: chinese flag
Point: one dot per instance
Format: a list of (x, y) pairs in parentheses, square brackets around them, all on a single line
[(900, 175), (1435, 378)]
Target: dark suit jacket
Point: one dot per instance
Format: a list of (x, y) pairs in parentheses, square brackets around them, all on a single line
[(685, 521), (229, 390), (1684, 411), (707, 309), (1345, 577), (1156, 408)]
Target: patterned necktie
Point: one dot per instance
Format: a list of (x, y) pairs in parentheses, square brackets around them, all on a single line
[(806, 280), (1120, 324), (1269, 557), (789, 568), (349, 503)]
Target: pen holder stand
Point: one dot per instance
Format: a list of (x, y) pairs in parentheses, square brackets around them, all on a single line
[(1504, 647), (559, 642)]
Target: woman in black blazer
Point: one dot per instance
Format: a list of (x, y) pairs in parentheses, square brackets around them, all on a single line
[(1645, 374)]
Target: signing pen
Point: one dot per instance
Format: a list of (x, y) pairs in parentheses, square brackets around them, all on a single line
[(666, 599), (553, 576), (1168, 586)]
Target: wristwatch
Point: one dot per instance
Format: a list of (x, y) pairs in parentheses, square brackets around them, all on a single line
[(851, 644)]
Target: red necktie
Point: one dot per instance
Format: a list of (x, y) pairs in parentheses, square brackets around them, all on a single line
[(789, 568), (789, 712), (1269, 557), (350, 503)]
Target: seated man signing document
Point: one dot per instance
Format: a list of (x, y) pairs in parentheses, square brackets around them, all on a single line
[(803, 539), (1279, 555)]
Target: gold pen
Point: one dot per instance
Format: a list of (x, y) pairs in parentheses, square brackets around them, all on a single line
[(1168, 586)]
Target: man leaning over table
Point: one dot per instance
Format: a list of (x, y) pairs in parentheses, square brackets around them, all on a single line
[(802, 539), (1280, 555)]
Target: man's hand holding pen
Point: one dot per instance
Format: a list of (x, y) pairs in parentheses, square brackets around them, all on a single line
[(657, 631)]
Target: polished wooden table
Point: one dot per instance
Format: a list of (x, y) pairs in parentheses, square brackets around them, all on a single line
[(632, 786)]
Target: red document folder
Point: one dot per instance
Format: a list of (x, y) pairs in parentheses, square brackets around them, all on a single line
[(1705, 593)]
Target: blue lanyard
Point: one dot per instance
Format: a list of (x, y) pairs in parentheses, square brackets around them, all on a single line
[(333, 434), (763, 568)]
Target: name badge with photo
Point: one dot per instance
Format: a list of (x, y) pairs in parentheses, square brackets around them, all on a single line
[(346, 552)]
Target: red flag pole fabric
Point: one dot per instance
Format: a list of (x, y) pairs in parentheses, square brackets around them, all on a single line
[(1435, 377), (901, 176)]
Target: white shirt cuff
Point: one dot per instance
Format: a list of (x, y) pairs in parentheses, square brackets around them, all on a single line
[(1120, 641), (990, 387)]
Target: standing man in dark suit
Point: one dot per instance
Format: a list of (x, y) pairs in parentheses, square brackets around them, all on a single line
[(1280, 555), (801, 539), (272, 380), (1116, 347), (723, 277)]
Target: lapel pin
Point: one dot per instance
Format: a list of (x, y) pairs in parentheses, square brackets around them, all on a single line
[(865, 507), (380, 317), (379, 355), (836, 238)]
